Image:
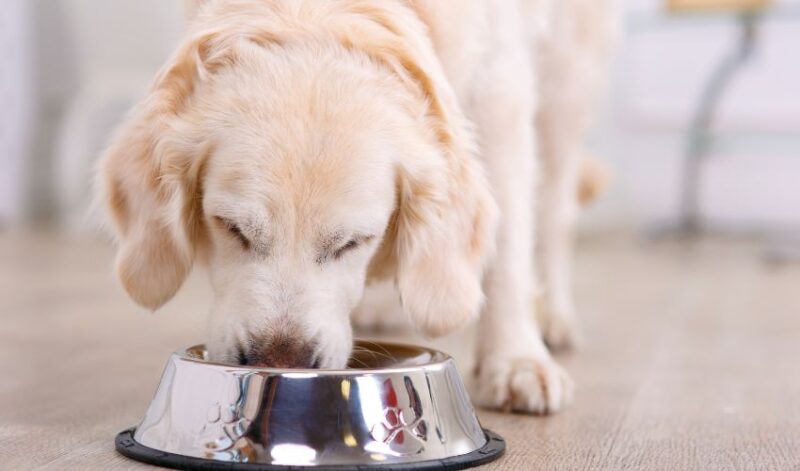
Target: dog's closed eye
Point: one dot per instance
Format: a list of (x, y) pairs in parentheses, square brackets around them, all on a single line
[(352, 244), (335, 253), (234, 230)]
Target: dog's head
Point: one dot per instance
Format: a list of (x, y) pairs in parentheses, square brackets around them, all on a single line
[(297, 164)]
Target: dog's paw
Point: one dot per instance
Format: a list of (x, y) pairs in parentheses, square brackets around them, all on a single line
[(528, 385)]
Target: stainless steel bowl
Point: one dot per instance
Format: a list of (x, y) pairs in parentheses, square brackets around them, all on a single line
[(402, 407)]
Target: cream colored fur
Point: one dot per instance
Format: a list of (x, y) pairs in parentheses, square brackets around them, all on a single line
[(301, 147)]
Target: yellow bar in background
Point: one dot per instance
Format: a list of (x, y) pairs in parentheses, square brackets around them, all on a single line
[(717, 5)]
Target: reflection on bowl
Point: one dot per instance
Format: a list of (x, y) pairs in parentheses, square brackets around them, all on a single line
[(397, 405)]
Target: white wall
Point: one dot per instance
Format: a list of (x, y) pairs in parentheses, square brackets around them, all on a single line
[(119, 46), (73, 68), (15, 104), (753, 176), (86, 61)]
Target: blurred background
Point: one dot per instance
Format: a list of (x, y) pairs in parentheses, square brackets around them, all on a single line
[(73, 67), (691, 327)]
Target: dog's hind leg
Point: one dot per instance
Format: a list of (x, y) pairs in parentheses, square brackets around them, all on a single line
[(571, 62)]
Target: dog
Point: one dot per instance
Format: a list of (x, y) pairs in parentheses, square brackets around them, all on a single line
[(302, 149)]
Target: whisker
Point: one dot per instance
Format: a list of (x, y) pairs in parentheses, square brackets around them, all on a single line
[(385, 353), (371, 355), (354, 359)]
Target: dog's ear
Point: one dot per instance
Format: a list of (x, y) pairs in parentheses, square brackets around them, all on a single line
[(444, 233), (443, 230), (148, 182)]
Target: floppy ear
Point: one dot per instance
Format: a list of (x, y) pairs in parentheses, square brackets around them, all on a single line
[(444, 233), (148, 182), (443, 230)]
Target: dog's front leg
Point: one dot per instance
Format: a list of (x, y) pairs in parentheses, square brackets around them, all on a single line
[(514, 369), (560, 160)]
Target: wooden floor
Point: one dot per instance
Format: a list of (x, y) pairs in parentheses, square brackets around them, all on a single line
[(691, 360)]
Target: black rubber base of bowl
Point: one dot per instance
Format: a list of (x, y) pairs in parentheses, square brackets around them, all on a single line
[(127, 446)]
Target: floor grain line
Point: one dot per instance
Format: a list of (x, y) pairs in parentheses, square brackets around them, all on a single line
[(690, 359)]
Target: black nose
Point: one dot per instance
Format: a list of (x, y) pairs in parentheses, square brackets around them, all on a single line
[(280, 352)]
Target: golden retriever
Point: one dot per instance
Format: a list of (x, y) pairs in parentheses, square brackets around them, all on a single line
[(301, 148)]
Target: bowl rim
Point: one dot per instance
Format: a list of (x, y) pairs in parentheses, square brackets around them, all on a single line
[(439, 362), (126, 445)]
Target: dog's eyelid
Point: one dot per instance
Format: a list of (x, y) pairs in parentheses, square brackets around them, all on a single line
[(352, 243), (235, 230)]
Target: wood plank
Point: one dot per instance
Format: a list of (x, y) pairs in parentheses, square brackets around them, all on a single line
[(690, 360)]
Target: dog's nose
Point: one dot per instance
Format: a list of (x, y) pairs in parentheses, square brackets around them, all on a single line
[(281, 352)]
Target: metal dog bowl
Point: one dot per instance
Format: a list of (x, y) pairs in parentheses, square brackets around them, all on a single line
[(404, 407)]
